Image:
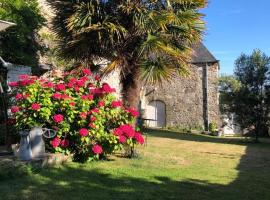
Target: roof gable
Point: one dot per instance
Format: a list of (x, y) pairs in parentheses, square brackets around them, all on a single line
[(202, 55)]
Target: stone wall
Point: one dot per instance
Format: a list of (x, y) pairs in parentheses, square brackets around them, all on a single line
[(183, 97)]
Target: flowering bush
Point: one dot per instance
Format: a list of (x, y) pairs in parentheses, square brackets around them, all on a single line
[(89, 120)]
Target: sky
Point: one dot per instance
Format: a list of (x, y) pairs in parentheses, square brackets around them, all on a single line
[(234, 27)]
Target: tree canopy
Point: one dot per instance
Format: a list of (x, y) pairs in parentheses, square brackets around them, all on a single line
[(18, 44), (143, 39), (247, 92)]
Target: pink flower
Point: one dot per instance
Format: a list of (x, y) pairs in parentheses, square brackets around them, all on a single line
[(128, 130), (133, 112), (101, 104), (72, 80), (83, 132), (93, 118), (86, 72), (116, 104), (18, 96), (139, 138), (118, 131), (15, 109), (70, 85), (65, 96), (90, 97), (65, 143), (48, 85), (91, 125), (96, 91), (80, 83), (83, 115), (122, 139), (94, 110), (97, 149), (26, 82), (57, 96), (72, 104), (56, 142), (35, 106), (84, 97), (13, 84), (58, 118), (26, 96), (60, 87), (107, 88)]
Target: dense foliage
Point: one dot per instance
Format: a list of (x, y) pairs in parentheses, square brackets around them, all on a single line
[(90, 122), (148, 39), (247, 93), (18, 43)]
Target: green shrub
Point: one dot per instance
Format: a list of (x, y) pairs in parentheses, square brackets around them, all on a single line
[(90, 122)]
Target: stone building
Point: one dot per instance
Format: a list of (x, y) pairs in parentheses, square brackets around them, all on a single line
[(186, 101)]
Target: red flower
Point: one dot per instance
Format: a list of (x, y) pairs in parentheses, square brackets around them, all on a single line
[(56, 142), (72, 104), (83, 115), (15, 109), (70, 85), (116, 104), (133, 112), (93, 118), (83, 132), (122, 139), (86, 72), (101, 104), (118, 131), (57, 96), (65, 143), (35, 106), (23, 76), (97, 78), (58, 118), (60, 87), (97, 149), (139, 138), (94, 110), (18, 96), (13, 84)]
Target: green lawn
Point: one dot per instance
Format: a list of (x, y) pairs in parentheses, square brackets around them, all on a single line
[(171, 166)]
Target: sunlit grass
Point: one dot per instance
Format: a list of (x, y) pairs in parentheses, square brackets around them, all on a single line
[(171, 166)]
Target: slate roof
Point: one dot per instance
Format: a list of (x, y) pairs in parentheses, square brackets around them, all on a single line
[(202, 55)]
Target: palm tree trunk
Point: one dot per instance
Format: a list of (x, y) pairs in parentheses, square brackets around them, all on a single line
[(131, 87)]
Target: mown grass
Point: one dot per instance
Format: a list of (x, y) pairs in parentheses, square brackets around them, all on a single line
[(171, 166)]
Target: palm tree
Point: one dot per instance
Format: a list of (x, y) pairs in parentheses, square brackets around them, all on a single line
[(147, 40)]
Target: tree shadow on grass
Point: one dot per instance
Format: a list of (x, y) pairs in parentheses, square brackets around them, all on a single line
[(197, 137), (89, 182)]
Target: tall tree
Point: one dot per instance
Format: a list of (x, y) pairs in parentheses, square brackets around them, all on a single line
[(247, 93), (18, 44), (145, 39)]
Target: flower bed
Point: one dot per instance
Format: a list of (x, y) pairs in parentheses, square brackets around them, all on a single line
[(90, 122)]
